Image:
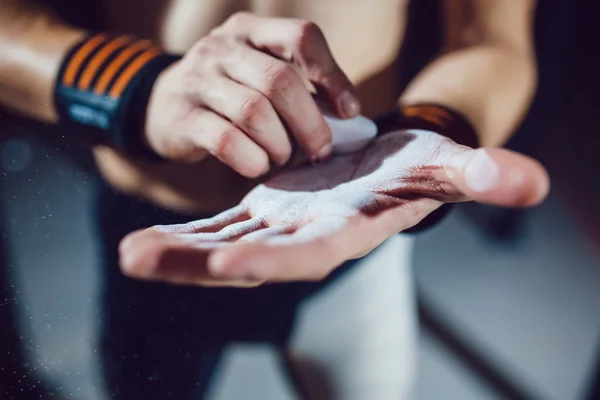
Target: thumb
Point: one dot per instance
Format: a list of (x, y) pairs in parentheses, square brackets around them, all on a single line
[(498, 177)]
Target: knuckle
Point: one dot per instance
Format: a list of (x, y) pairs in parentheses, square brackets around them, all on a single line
[(237, 19), (252, 109), (210, 46), (202, 48), (306, 34), (194, 85), (281, 79), (224, 141), (193, 226)]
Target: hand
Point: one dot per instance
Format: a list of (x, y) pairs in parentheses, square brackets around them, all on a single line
[(235, 92), (303, 223)]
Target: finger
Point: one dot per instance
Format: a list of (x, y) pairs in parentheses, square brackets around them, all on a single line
[(266, 233), (160, 256), (152, 255), (236, 214), (309, 254), (309, 49), (228, 233), (283, 87), (250, 111), (235, 231), (226, 142), (302, 42), (498, 177)]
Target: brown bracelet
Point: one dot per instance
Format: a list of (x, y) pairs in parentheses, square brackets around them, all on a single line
[(432, 117)]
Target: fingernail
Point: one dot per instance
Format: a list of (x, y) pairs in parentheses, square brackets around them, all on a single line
[(350, 105), (324, 154), (481, 172)]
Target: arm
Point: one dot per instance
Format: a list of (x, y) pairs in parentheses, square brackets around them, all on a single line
[(237, 119), (487, 69), (33, 43), (303, 223)]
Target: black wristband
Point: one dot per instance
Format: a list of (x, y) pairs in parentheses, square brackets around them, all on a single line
[(103, 87), (436, 118)]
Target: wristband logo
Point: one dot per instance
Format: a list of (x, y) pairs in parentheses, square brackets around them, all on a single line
[(89, 116)]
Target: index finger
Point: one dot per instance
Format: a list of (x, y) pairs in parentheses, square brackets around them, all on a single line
[(304, 43)]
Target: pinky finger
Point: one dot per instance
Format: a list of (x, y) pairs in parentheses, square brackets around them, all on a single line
[(151, 255)]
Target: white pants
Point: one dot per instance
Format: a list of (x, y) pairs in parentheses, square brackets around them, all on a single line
[(354, 340)]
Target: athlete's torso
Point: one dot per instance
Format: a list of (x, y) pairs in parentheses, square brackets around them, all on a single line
[(365, 37)]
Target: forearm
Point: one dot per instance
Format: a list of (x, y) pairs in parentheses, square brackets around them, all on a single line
[(491, 85), (33, 43)]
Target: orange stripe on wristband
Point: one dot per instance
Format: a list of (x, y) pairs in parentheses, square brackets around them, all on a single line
[(133, 68), (114, 67), (93, 66), (80, 56)]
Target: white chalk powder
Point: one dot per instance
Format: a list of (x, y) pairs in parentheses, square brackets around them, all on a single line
[(349, 135)]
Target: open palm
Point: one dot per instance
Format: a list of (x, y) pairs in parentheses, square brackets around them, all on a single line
[(304, 222)]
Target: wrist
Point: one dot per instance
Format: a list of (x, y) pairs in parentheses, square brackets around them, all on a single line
[(136, 143), (103, 89)]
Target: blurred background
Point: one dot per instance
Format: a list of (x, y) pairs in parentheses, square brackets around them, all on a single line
[(508, 300)]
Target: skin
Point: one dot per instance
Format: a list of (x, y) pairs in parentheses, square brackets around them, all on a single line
[(486, 71), (33, 43), (231, 95), (303, 223), (231, 100)]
